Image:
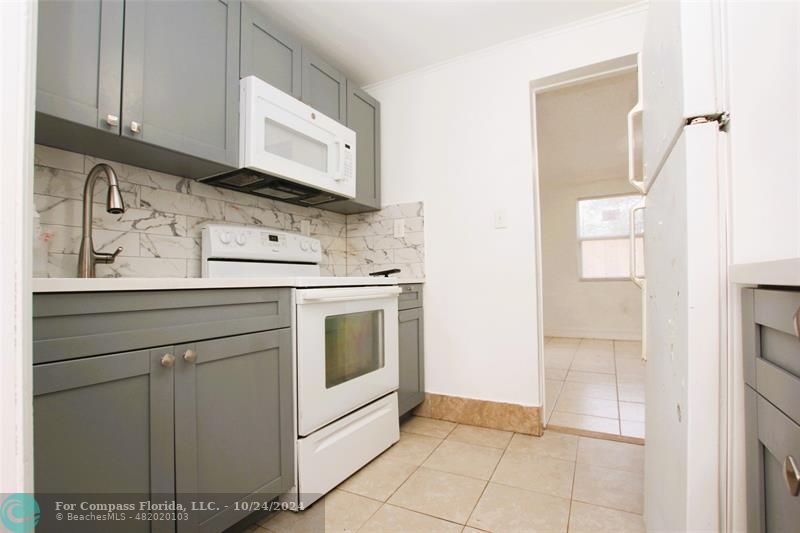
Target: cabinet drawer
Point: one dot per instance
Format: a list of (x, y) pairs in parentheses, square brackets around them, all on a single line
[(71, 325), (772, 439), (410, 297), (771, 346)]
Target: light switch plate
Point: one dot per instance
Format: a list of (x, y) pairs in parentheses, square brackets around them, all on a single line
[(399, 228), (500, 219), (305, 227)]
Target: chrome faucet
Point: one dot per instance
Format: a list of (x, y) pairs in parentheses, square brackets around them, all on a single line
[(114, 205)]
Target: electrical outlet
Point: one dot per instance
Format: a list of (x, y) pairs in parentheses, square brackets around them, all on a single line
[(500, 219), (305, 227), (399, 228)]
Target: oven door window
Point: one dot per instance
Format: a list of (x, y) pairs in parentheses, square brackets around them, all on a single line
[(353, 346)]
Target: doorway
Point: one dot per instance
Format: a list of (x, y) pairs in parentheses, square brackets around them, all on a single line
[(591, 308)]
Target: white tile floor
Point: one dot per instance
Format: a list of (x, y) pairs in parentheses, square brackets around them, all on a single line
[(455, 478), (595, 385)]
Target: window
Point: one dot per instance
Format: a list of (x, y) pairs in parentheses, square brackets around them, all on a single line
[(603, 237)]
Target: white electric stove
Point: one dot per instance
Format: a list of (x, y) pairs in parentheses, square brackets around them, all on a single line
[(346, 350)]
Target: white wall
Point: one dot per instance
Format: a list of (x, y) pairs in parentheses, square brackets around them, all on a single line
[(458, 137), (575, 308)]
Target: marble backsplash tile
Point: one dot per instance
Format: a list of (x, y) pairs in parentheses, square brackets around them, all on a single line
[(160, 229)]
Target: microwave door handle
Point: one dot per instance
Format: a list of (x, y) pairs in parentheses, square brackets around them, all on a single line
[(340, 170)]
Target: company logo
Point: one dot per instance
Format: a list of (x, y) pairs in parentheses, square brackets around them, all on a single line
[(19, 513)]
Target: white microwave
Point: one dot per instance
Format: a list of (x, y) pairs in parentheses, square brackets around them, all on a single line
[(288, 150)]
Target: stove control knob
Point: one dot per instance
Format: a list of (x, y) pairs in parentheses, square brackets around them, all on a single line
[(304, 245), (225, 237), (314, 246), (241, 239)]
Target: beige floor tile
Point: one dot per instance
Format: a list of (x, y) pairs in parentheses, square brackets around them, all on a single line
[(551, 444), (538, 473), (565, 341), (440, 494), (391, 519), (411, 448), (582, 405), (494, 438), (631, 411), (429, 427), (607, 487), (601, 391), (587, 518), (556, 374), (631, 392), (590, 377), (504, 509), (338, 511), (610, 454), (589, 362), (596, 347), (632, 429), (464, 459), (379, 479), (589, 423), (472, 530), (628, 348), (561, 359), (552, 389)]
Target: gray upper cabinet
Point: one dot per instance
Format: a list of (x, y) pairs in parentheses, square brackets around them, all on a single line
[(324, 87), (268, 53), (233, 424), (364, 117), (79, 62), (181, 82), (104, 425)]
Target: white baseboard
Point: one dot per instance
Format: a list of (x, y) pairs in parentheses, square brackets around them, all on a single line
[(621, 335)]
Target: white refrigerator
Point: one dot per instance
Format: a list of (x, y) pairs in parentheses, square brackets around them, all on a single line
[(683, 151)]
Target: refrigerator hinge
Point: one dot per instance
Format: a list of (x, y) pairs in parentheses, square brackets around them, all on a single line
[(723, 119)]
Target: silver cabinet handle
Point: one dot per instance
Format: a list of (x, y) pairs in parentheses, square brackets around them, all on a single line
[(167, 360), (792, 475), (190, 356), (797, 322), (112, 120), (136, 127)]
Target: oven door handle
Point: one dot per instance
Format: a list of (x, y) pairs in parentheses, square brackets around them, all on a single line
[(318, 296)]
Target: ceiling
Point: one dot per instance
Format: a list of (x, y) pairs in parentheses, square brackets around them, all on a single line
[(375, 40), (582, 130)]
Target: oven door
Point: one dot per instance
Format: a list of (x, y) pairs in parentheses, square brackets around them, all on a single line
[(347, 351)]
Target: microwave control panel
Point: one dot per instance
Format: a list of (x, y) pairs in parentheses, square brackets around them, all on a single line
[(257, 243), (348, 165)]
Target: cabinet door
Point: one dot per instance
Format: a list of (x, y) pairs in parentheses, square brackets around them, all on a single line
[(412, 362), (103, 426), (234, 429), (79, 61), (324, 87), (181, 83), (268, 53)]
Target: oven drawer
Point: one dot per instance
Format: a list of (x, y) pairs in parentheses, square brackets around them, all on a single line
[(773, 452), (330, 455), (771, 346)]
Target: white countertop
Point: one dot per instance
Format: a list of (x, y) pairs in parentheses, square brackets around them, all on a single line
[(43, 285), (782, 272)]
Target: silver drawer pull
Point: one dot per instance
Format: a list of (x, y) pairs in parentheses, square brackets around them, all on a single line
[(112, 120), (797, 322), (190, 356), (136, 128), (792, 475)]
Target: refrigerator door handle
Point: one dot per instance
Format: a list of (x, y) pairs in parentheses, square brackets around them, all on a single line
[(635, 112), (639, 281)]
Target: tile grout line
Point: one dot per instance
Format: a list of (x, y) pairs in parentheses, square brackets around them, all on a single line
[(505, 450)]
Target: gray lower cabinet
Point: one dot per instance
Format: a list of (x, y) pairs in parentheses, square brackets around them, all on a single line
[(771, 354), (207, 420), (233, 425), (324, 87), (411, 392), (363, 117), (104, 426), (181, 77), (268, 53), (79, 61)]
